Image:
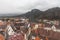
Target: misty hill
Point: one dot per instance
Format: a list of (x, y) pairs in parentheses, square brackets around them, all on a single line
[(53, 13), (33, 15)]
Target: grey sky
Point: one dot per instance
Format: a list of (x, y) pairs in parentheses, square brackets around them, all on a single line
[(16, 6)]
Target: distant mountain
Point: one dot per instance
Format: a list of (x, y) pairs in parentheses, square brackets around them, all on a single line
[(53, 13), (8, 15), (33, 15)]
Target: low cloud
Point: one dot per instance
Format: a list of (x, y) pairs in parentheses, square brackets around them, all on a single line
[(16, 6)]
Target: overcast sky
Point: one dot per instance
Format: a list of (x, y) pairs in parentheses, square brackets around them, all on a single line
[(21, 6)]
